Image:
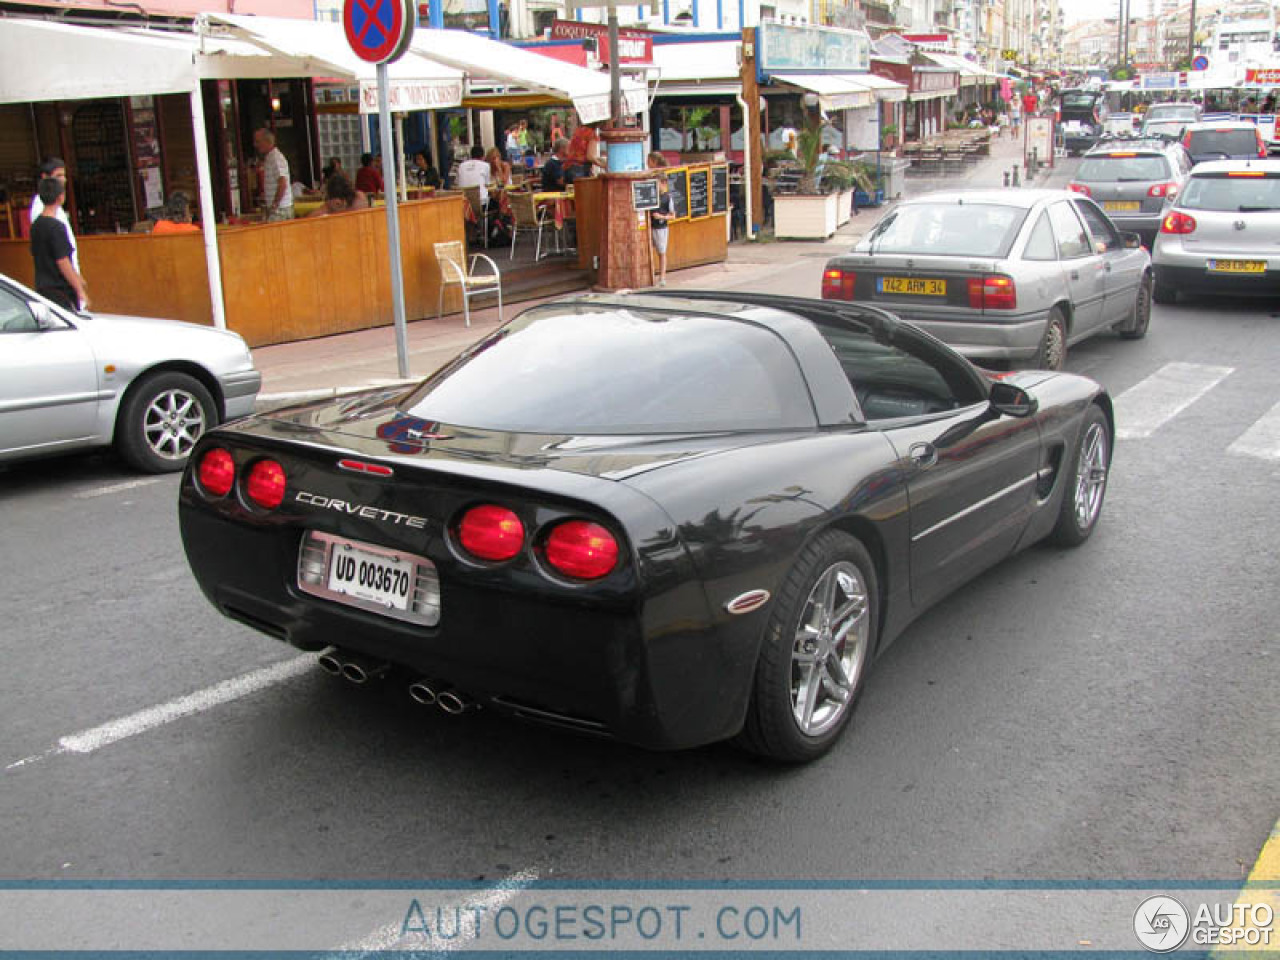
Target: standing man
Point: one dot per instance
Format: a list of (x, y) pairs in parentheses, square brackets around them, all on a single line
[(277, 191), (56, 167), (57, 278)]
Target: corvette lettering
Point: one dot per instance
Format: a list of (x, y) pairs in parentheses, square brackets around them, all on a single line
[(360, 510)]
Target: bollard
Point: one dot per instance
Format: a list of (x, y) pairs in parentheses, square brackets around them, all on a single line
[(1015, 176), (1035, 162)]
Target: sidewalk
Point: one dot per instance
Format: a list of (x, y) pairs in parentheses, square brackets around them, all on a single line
[(344, 362)]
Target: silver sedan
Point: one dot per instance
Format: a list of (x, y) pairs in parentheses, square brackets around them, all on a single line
[(149, 387), (1001, 275)]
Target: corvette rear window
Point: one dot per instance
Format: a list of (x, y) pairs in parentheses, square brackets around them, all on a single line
[(594, 369), (960, 229)]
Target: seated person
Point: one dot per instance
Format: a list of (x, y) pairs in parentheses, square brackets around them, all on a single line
[(425, 174), (499, 169), (475, 173), (339, 197), (177, 216), (553, 172), (369, 176)]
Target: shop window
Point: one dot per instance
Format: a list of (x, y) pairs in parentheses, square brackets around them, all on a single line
[(102, 185), (689, 129)]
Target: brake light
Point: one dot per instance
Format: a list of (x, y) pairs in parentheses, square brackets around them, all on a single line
[(1169, 190), (1129, 154), (491, 532), (582, 550), (1262, 146), (994, 292), (1178, 222), (838, 284), (217, 472), (1080, 188), (266, 484), (1245, 173)]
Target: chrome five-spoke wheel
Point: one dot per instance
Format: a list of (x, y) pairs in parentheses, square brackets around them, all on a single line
[(1091, 475), (830, 648)]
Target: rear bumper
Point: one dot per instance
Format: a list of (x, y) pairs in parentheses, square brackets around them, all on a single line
[(1196, 279), (1015, 339)]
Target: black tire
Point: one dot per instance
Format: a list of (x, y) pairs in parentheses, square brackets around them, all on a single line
[(1052, 354), (1084, 483), (1163, 294), (1136, 328), (161, 419), (781, 683)]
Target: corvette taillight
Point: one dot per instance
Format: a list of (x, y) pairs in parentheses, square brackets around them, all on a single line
[(266, 484), (1178, 222), (1080, 188), (582, 550), (1262, 147), (838, 284), (993, 292), (217, 472), (1169, 190), (491, 532)]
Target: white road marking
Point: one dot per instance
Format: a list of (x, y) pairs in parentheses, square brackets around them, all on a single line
[(117, 487), (1262, 439), (95, 738), (1147, 405), (389, 937)]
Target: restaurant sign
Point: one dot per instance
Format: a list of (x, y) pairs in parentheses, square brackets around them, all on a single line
[(406, 95), (1261, 76), (634, 46), (787, 48)]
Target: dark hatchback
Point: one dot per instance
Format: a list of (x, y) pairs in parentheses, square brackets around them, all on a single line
[(1223, 140)]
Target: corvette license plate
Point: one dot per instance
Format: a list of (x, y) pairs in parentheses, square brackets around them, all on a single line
[(913, 286), (1237, 266), (1120, 206), (381, 579)]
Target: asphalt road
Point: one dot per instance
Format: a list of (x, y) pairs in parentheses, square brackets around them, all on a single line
[(1102, 713)]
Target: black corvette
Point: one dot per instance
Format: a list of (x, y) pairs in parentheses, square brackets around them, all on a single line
[(669, 519)]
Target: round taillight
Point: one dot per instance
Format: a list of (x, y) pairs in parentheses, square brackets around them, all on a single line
[(582, 550), (217, 472), (266, 484), (491, 532)]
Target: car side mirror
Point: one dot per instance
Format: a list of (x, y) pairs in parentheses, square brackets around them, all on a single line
[(43, 315), (1011, 401)]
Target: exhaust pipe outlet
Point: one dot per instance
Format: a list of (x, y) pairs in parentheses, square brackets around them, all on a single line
[(424, 691), (331, 661), (454, 702), (360, 669)]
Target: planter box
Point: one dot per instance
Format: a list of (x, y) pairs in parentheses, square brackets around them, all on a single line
[(844, 207), (803, 217)]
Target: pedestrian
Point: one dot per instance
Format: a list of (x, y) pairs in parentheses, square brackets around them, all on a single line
[(659, 219), (369, 176), (56, 277), (511, 142), (56, 167), (583, 155), (177, 216), (277, 193)]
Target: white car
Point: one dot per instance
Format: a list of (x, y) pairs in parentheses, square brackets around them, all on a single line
[(149, 387)]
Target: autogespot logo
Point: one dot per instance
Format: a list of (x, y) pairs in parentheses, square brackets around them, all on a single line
[(1161, 924)]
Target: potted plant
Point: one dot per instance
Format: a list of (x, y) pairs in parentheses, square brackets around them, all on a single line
[(810, 211), (889, 136)]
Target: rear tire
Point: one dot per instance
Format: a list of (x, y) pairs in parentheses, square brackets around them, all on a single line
[(161, 419), (1053, 342), (1085, 482), (815, 652), (1136, 327)]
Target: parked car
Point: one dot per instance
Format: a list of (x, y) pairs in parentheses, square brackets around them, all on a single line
[(1223, 140), (1001, 275), (1222, 235), (681, 518), (149, 387), (1082, 115), (1133, 181)]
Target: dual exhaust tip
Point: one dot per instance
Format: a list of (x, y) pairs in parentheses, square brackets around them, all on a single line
[(359, 669)]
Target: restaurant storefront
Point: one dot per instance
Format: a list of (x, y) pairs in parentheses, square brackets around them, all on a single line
[(930, 91)]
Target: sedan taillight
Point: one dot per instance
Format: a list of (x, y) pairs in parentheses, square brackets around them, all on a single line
[(1262, 147), (1178, 222), (838, 284), (1080, 188), (1169, 190), (993, 292)]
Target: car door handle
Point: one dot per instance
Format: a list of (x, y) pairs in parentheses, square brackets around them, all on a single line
[(924, 455)]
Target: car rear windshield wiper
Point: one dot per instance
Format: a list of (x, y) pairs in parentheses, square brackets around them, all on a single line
[(1255, 209)]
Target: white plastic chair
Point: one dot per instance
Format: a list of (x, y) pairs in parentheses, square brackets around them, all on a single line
[(453, 270)]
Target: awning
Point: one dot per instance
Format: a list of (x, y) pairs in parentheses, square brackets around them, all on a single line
[(836, 91), (886, 90), (414, 82), (971, 74), (497, 70)]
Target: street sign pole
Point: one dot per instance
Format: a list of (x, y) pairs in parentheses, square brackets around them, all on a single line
[(393, 223)]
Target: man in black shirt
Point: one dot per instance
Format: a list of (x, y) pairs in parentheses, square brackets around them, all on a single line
[(56, 276), (553, 170)]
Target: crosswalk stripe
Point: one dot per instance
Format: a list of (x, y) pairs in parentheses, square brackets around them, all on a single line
[(1144, 407), (1262, 439)]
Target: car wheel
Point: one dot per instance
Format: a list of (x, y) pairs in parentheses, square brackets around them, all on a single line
[(1136, 327), (815, 651), (161, 419), (1163, 293), (1085, 482), (1053, 344)]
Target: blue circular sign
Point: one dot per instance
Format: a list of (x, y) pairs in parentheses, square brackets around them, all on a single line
[(1200, 63), (379, 31)]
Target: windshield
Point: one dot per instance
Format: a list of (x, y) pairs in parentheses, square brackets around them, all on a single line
[(1168, 128), (1106, 167), (602, 369), (1173, 111), (1235, 194), (1079, 101), (1228, 143), (959, 229)]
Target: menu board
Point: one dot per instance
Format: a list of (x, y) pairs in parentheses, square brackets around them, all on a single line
[(699, 193), (678, 184), (644, 194), (720, 189)]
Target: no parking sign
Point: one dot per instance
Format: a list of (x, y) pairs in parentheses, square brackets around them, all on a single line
[(379, 31)]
